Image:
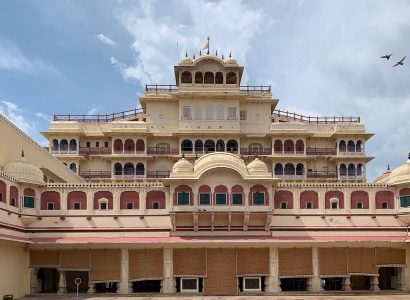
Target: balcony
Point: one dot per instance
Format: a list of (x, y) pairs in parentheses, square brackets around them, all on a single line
[(64, 152), (170, 88), (256, 151), (352, 177), (162, 151), (90, 175), (351, 153), (129, 176), (321, 151), (129, 114), (290, 177), (158, 174), (288, 153), (89, 151), (289, 116), (321, 175)]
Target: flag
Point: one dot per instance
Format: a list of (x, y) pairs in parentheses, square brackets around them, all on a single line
[(206, 45)]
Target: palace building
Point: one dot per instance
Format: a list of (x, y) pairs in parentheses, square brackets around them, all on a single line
[(206, 189)]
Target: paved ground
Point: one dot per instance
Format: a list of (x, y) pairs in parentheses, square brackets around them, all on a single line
[(359, 296)]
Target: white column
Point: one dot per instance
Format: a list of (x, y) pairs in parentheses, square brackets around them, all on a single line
[(375, 284), (346, 284), (124, 283), (116, 202), (316, 283), (168, 280), (372, 201), (273, 282), (62, 284), (33, 281), (91, 288)]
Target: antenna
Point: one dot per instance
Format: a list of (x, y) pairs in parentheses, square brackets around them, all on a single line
[(177, 53)]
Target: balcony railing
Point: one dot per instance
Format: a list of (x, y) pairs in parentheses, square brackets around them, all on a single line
[(128, 176), (160, 152), (171, 88), (87, 151), (283, 176), (158, 174), (263, 151), (287, 152), (351, 153), (64, 151), (88, 175), (100, 118), (320, 151), (316, 119), (352, 177), (321, 175)]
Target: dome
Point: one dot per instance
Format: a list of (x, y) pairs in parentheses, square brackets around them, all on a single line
[(24, 171), (182, 166), (186, 60), (401, 174), (257, 166)]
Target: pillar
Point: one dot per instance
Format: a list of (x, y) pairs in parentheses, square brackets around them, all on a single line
[(346, 284), (62, 284), (406, 271), (91, 288), (316, 283), (168, 281), (33, 281), (273, 282), (124, 283), (374, 285)]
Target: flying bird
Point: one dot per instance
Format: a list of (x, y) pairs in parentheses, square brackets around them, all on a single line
[(387, 56), (400, 62)]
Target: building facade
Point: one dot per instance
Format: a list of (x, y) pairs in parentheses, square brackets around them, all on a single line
[(209, 189)]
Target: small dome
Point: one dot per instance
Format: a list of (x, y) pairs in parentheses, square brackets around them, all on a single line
[(186, 60), (24, 171), (182, 166), (257, 166), (401, 174)]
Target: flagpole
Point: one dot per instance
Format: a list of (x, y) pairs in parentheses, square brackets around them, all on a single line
[(177, 53), (208, 45)]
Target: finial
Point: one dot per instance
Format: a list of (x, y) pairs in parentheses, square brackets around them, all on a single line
[(230, 54), (193, 57), (222, 56), (186, 53), (22, 153), (388, 167), (216, 53), (208, 44), (183, 155), (408, 156), (200, 52)]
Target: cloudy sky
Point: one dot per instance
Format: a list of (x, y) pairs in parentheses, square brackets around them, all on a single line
[(321, 58)]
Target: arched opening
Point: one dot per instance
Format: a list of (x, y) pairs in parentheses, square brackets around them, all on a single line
[(359, 170), (129, 169), (64, 145), (300, 147), (342, 170), (163, 148), (155, 200), (209, 78), (342, 146), (117, 169), (219, 78), (351, 146), (140, 146), (277, 146), (300, 169), (140, 170), (209, 146), (278, 169), (359, 146), (186, 146), (289, 146), (186, 77), (73, 145), (118, 146), (129, 146), (199, 146), (289, 169), (199, 78), (54, 146), (232, 146), (351, 170), (220, 146), (47, 279), (231, 78), (73, 167)]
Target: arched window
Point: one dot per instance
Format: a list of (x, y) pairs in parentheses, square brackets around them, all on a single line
[(54, 146), (129, 146), (118, 146), (186, 77), (278, 169), (300, 146), (199, 146), (232, 146), (73, 167), (198, 77), (342, 146), (129, 169), (359, 170), (231, 78), (289, 146), (209, 78), (64, 145), (73, 145), (359, 146), (140, 170), (289, 169), (334, 203), (140, 146), (300, 170), (117, 169), (219, 78), (350, 146), (209, 146), (103, 204), (186, 146), (351, 170), (342, 170), (220, 146), (277, 146)]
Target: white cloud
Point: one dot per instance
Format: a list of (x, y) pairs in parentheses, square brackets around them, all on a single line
[(43, 116), (92, 111), (105, 39)]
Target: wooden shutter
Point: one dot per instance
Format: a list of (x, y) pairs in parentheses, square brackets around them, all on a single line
[(390, 256), (189, 262), (253, 261), (332, 261), (105, 265), (45, 258), (295, 262), (75, 260), (221, 272), (146, 264), (361, 261)]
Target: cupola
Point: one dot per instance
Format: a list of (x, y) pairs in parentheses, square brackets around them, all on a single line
[(24, 171)]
